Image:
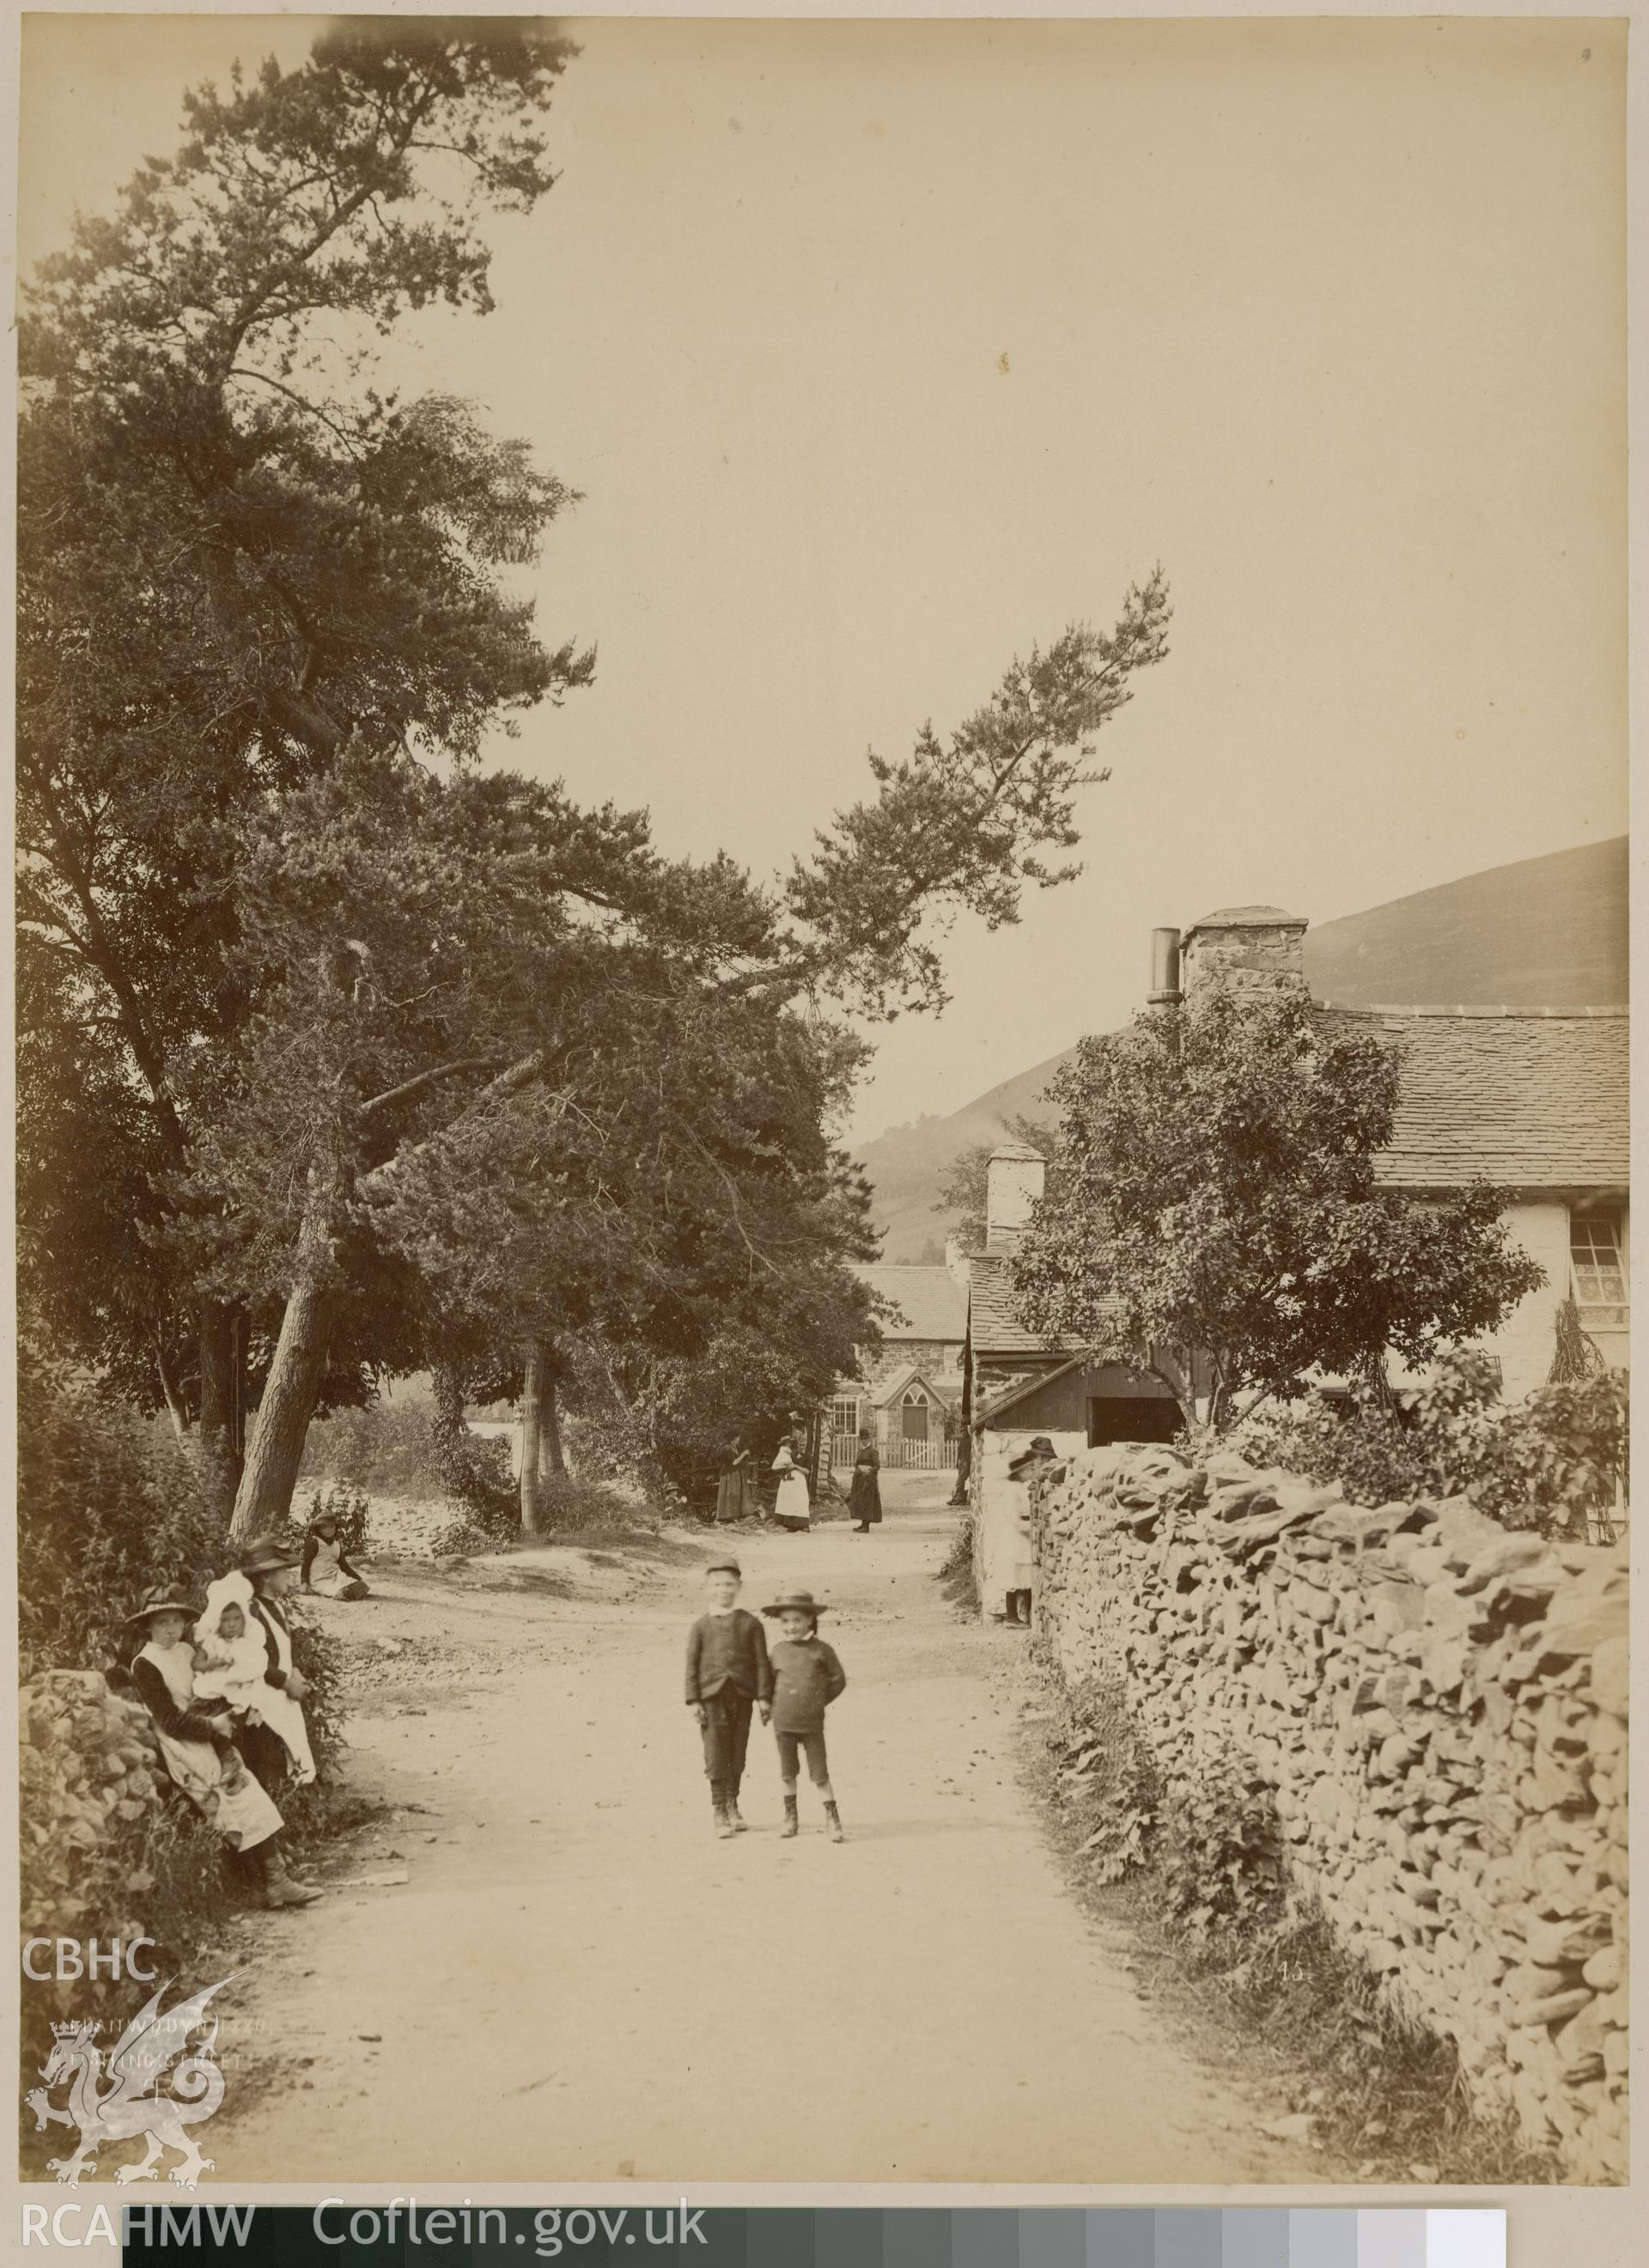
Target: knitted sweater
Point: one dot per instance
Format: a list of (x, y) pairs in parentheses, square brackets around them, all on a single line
[(807, 1679)]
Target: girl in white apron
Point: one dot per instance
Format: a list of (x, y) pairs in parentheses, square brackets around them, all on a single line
[(324, 1568), (793, 1508)]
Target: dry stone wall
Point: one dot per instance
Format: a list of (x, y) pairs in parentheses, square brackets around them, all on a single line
[(1437, 1708)]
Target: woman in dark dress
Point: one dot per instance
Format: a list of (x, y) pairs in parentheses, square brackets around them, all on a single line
[(865, 1496), (272, 1571), (736, 1497)]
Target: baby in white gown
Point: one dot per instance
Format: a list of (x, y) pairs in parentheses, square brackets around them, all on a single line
[(231, 1660)]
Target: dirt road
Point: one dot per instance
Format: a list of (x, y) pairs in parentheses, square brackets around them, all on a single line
[(578, 1981)]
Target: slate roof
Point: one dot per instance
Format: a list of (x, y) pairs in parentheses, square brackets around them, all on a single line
[(929, 1299), (992, 1324), (1527, 1099)]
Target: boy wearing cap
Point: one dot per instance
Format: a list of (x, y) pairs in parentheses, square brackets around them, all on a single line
[(728, 1674), (807, 1678)]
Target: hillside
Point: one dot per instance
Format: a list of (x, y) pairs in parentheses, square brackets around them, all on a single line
[(1546, 932)]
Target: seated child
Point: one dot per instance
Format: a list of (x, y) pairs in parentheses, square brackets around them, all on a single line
[(325, 1565)]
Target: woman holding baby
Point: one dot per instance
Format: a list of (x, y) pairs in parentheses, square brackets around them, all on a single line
[(193, 1727)]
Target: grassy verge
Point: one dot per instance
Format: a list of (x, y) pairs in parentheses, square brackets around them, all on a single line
[(1222, 1947), (956, 1574)]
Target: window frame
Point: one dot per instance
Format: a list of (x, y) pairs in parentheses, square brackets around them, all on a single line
[(1592, 1268), (853, 1402)]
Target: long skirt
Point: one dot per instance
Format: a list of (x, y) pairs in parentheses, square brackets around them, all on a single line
[(273, 1709), (735, 1495), (243, 1814), (865, 1497), (794, 1507), (340, 1586)]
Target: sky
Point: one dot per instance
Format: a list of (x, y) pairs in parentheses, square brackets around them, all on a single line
[(879, 351)]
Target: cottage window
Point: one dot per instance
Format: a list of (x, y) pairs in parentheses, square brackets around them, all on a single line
[(1600, 1274), (844, 1415)]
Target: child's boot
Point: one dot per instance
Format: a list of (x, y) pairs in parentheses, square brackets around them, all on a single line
[(792, 1824), (833, 1823), (741, 1824)]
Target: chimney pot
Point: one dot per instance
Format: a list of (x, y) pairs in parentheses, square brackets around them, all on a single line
[(1165, 968)]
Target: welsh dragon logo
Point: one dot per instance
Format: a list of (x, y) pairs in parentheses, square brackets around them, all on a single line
[(127, 2109)]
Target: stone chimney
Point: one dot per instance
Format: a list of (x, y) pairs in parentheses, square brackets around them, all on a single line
[(1248, 949), (1014, 1183)]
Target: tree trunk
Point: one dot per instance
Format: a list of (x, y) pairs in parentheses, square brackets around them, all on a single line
[(552, 1463), (450, 1437), (1178, 1373), (172, 1393), (269, 1475), (238, 1395), (534, 1385), (217, 1437)]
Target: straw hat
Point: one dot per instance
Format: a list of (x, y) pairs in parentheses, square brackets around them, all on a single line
[(164, 1601), (799, 1603), (264, 1557)]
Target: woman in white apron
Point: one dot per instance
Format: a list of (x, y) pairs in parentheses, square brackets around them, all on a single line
[(199, 1752), (793, 1507)]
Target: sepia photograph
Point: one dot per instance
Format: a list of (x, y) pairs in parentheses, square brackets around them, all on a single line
[(822, 1134)]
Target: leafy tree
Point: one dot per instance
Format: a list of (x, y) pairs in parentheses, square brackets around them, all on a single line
[(963, 823), (107, 1506), (322, 1014), (1219, 1220), (1552, 1461), (963, 1183), (237, 558), (481, 1002), (790, 1327)]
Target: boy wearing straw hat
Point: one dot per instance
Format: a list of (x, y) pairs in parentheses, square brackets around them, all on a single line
[(808, 1677)]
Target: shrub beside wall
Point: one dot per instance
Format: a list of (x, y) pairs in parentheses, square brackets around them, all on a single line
[(1435, 1709)]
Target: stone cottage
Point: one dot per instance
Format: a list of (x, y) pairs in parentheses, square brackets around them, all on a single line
[(910, 1391), (1533, 1101)]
